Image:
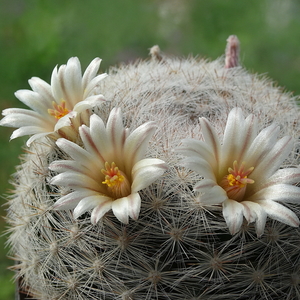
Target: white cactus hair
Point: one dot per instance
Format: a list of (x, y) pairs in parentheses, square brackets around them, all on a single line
[(176, 249)]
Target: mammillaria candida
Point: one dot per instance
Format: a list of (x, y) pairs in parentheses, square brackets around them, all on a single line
[(181, 242)]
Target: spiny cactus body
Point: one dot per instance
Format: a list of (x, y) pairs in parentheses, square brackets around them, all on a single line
[(177, 248)]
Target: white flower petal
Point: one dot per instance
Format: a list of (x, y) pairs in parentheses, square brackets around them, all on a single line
[(88, 103), (272, 161), (90, 146), (253, 212), (262, 144), (200, 166), (211, 137), (55, 84), (34, 137), (279, 212), (19, 111), (137, 142), (22, 120), (100, 210), (25, 130), (89, 203), (115, 131), (233, 215), (93, 84), (216, 195), (76, 180), (247, 137), (134, 205), (34, 101), (249, 210), (61, 166), (65, 121), (238, 135), (145, 172), (67, 83), (42, 88), (204, 184), (120, 209), (71, 200), (287, 176), (100, 138), (279, 192), (232, 137), (90, 72), (74, 150), (194, 148)]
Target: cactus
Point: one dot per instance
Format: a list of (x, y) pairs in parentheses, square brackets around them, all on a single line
[(177, 248)]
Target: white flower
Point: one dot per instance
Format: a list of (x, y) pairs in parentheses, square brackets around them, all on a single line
[(242, 173), (109, 171), (53, 105)]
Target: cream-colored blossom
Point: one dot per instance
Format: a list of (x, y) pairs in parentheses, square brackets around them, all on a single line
[(109, 171), (53, 106), (242, 172)]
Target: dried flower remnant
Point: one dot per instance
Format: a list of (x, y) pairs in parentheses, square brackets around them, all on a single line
[(232, 52), (110, 171), (242, 173), (156, 53), (54, 106)]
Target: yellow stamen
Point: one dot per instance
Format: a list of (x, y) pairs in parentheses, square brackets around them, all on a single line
[(112, 174), (59, 111), (236, 181), (116, 181), (232, 180)]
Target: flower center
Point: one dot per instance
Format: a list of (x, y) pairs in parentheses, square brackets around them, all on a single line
[(236, 181), (59, 111), (117, 183)]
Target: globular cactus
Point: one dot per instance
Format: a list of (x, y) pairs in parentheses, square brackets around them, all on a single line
[(180, 243)]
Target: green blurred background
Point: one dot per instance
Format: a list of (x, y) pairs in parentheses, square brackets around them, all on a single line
[(36, 35)]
